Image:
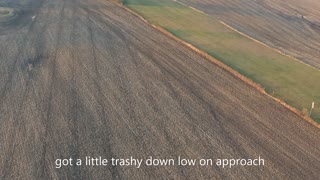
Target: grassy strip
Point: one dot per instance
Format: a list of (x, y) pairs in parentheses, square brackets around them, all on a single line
[(295, 83)]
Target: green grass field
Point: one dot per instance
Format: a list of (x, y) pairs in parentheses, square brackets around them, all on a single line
[(295, 83)]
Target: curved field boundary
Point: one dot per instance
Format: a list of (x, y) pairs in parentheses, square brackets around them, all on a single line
[(225, 67)]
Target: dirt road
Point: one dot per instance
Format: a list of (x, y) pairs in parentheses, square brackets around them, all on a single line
[(87, 78), (291, 26)]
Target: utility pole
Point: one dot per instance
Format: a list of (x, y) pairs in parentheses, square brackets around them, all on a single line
[(312, 107)]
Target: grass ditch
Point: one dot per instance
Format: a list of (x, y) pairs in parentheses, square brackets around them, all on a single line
[(282, 77)]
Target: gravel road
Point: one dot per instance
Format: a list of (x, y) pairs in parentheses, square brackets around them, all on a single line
[(87, 78)]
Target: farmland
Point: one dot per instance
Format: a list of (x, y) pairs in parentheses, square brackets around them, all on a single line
[(85, 79), (292, 26), (285, 78)]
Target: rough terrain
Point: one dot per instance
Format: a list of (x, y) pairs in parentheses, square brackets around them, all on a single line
[(292, 26), (87, 78)]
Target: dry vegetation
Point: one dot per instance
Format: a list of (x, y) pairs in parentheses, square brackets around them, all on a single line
[(87, 78)]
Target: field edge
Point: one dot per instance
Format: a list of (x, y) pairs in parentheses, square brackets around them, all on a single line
[(222, 65)]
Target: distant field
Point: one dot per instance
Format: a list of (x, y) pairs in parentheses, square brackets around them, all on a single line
[(295, 83), (292, 26)]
